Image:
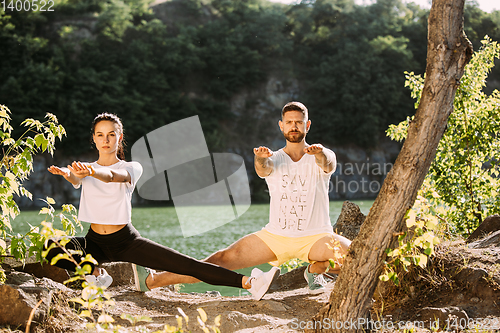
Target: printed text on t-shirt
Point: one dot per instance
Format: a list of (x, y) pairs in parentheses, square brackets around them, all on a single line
[(293, 202)]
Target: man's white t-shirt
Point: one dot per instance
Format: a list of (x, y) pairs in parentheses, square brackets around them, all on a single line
[(299, 196), (108, 203)]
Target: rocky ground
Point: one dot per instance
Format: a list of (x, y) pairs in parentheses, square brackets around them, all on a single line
[(276, 312), (461, 288)]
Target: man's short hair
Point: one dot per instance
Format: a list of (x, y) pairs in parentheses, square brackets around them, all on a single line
[(295, 106)]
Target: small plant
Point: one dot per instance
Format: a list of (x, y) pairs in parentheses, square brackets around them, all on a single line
[(135, 319), (292, 264), (92, 297), (334, 245), (202, 322), (417, 244), (16, 165)]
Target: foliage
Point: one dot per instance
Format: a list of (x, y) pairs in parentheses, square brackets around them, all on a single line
[(351, 59), (201, 319), (191, 57), (92, 297), (16, 166), (465, 171), (417, 244), (292, 264), (180, 58)]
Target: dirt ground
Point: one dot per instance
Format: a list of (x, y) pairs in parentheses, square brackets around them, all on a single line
[(460, 288)]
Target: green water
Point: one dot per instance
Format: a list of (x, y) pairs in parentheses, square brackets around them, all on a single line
[(161, 225)]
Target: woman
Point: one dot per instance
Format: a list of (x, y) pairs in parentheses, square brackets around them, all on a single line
[(105, 202)]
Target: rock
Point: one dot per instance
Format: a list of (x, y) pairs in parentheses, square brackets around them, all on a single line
[(121, 272), (473, 278), (21, 294), (274, 306), (48, 271), (492, 240), (290, 281), (349, 221), (33, 266), (232, 321), (20, 279), (442, 317), (489, 225)]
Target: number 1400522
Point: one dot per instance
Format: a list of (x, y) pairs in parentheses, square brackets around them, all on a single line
[(28, 5)]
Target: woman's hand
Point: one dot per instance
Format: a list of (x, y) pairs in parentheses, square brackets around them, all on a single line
[(55, 170), (66, 173), (80, 170)]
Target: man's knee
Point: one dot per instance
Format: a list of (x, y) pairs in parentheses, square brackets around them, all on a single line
[(224, 258)]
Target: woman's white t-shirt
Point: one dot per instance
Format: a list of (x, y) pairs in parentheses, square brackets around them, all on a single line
[(108, 203), (299, 196)]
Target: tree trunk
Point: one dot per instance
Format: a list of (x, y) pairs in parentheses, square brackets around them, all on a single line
[(448, 51)]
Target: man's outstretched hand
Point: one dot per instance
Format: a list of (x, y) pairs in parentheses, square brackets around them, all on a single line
[(262, 152), (313, 149)]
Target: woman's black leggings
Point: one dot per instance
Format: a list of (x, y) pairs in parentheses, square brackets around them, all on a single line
[(128, 246)]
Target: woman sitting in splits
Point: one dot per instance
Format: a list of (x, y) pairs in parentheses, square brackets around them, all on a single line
[(105, 202)]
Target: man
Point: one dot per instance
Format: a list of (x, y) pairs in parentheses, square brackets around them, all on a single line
[(299, 223)]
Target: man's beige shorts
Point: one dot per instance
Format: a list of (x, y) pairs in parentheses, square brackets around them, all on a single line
[(286, 248)]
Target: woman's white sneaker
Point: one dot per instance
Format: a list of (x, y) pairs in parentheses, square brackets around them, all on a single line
[(104, 280), (260, 281)]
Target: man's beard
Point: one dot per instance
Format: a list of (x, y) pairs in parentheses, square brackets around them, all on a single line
[(294, 139)]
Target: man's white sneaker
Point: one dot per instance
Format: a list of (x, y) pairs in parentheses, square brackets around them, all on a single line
[(104, 280), (261, 281)]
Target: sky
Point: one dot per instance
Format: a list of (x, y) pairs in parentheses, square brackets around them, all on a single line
[(486, 5)]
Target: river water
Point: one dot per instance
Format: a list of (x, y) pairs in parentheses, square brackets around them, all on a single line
[(161, 225)]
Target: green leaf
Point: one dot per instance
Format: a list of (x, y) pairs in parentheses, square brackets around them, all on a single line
[(58, 257), (384, 277), (8, 142), (44, 211), (79, 301), (105, 318), (39, 140), (85, 313), (73, 279)]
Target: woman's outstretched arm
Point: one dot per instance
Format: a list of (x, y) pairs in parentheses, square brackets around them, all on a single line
[(106, 175), (65, 172)]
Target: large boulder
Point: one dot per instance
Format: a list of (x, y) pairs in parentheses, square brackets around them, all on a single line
[(350, 220), (121, 272), (490, 225), (20, 296), (290, 280), (439, 318)]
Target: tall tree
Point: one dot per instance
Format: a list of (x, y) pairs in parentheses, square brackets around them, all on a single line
[(448, 51)]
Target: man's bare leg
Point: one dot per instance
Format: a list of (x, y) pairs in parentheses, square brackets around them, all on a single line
[(246, 252), (321, 253)]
